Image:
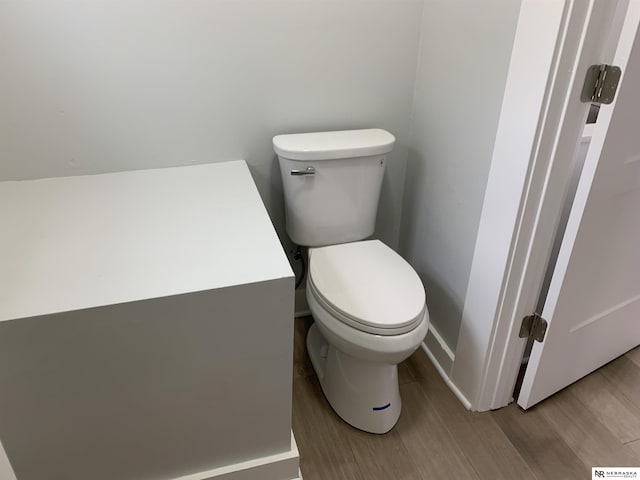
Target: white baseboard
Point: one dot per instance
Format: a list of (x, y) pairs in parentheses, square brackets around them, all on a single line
[(438, 348), (282, 466), (442, 358)]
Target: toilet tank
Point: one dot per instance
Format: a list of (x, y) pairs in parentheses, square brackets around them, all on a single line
[(332, 183)]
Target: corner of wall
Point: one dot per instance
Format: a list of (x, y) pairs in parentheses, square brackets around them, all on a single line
[(452, 133)]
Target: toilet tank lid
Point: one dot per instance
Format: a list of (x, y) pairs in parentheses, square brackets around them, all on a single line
[(333, 145)]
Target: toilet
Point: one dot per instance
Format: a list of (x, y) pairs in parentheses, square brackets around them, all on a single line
[(367, 302)]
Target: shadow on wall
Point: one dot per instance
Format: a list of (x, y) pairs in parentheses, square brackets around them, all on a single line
[(278, 216), (445, 309), (276, 193)]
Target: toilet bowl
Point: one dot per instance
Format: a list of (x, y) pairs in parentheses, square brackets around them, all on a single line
[(367, 302), (370, 314)]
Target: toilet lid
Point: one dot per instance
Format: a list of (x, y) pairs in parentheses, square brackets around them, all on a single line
[(369, 285)]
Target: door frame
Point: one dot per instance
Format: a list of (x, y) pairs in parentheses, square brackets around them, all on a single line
[(538, 134), (543, 377)]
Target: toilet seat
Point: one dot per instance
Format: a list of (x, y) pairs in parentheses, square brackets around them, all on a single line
[(367, 286)]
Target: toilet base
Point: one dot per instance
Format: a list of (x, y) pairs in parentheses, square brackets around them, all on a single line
[(364, 394)]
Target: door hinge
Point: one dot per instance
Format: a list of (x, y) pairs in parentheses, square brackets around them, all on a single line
[(600, 84), (533, 326)]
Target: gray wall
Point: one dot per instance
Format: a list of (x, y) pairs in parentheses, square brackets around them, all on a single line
[(464, 56), (107, 85)]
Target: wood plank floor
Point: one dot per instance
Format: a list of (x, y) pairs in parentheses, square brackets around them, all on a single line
[(594, 422)]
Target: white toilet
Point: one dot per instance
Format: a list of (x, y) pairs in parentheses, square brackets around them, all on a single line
[(367, 302)]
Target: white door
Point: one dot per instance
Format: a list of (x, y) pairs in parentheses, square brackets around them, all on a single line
[(593, 303)]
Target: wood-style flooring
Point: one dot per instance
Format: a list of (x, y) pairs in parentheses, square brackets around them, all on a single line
[(594, 422)]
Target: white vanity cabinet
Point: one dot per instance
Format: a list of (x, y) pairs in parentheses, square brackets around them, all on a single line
[(146, 328)]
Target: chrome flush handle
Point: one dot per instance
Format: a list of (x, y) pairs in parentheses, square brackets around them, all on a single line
[(306, 171)]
